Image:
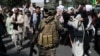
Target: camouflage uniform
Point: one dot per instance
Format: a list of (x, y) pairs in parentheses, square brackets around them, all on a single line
[(48, 38)]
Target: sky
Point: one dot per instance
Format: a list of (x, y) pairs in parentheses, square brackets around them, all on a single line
[(37, 0)]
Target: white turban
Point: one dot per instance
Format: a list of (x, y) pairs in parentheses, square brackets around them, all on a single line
[(89, 7)]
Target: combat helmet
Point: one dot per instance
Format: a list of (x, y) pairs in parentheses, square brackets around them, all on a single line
[(50, 9)]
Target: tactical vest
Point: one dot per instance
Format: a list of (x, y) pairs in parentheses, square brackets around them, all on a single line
[(49, 35)]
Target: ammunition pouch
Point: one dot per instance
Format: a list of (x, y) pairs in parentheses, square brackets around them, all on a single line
[(46, 41)]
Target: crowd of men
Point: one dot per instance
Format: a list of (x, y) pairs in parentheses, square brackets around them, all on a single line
[(48, 28)]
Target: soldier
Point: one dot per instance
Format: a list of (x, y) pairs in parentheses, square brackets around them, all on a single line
[(48, 38), (47, 49)]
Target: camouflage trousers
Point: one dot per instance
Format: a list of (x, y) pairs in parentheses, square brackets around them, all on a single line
[(47, 52)]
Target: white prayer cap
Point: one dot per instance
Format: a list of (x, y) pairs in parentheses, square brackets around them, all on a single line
[(13, 9), (21, 9), (41, 9), (70, 8), (89, 7), (60, 7)]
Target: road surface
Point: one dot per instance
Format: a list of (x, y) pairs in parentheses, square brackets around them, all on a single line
[(61, 50)]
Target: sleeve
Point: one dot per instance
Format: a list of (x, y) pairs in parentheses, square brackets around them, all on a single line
[(58, 25), (89, 22), (6, 22), (12, 19), (41, 25)]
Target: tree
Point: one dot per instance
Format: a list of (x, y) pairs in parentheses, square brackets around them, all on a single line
[(13, 3), (83, 1), (98, 1), (77, 2)]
